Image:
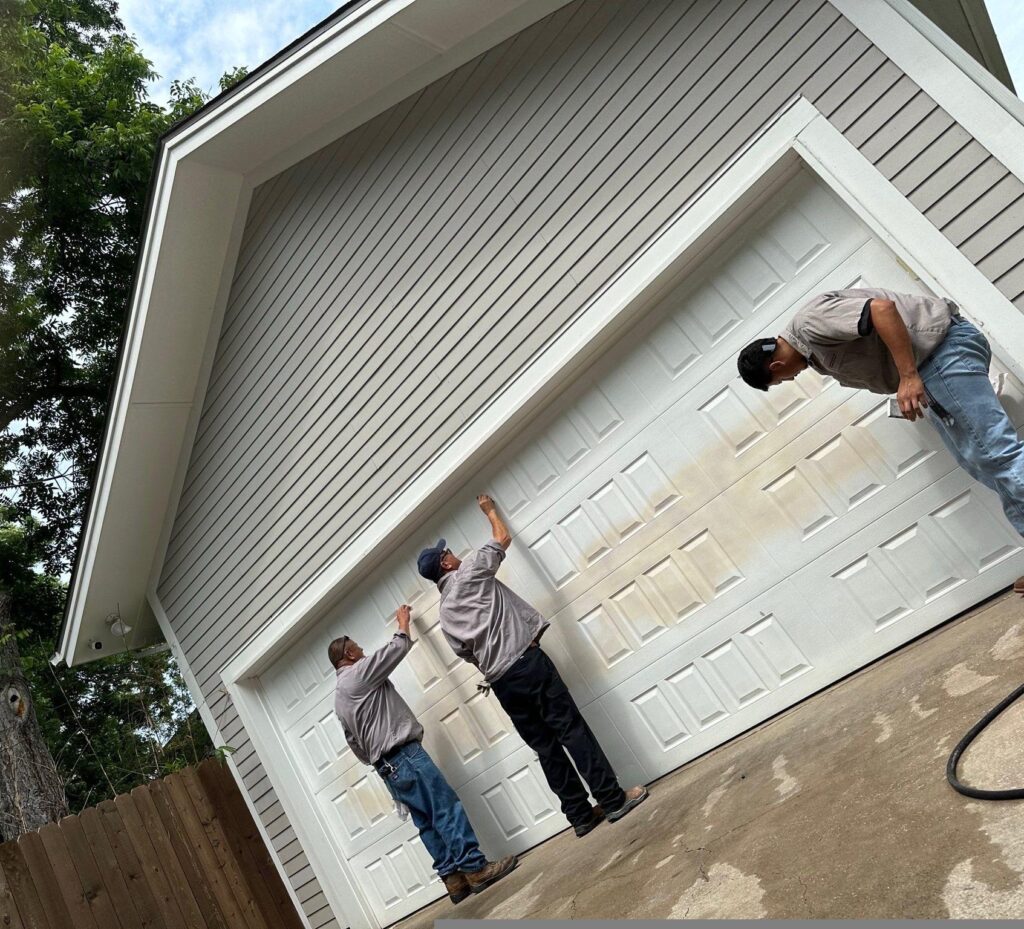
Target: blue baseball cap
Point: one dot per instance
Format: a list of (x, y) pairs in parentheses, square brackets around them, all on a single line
[(429, 561)]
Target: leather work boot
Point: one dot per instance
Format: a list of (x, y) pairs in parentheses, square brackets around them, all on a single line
[(634, 797), (585, 828), (457, 886), (490, 873)]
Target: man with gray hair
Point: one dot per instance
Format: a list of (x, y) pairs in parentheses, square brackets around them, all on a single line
[(382, 731)]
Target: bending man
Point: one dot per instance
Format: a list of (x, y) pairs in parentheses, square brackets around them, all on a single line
[(491, 627), (922, 350), (381, 730)]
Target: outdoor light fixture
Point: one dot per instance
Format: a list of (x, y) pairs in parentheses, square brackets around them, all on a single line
[(118, 626)]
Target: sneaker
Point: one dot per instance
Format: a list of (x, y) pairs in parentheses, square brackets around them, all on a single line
[(457, 886), (634, 797), (490, 873), (588, 826)]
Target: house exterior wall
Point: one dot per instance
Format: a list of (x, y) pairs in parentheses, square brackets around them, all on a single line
[(482, 214)]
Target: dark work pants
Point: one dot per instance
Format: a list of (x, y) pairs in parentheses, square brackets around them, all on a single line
[(544, 713)]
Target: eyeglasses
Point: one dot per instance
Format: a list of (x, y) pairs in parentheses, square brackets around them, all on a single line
[(344, 643)]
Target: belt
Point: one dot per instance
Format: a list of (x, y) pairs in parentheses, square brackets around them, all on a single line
[(383, 765)]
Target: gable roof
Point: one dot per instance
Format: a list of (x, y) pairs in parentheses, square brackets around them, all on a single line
[(364, 58)]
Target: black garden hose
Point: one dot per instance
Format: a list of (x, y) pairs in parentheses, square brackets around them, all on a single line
[(1014, 793)]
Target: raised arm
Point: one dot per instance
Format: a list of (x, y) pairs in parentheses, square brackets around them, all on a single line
[(893, 332), (499, 531), (375, 669)]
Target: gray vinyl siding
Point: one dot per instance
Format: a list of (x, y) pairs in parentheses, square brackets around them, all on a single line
[(391, 284)]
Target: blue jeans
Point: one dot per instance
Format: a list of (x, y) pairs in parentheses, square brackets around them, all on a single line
[(436, 811), (977, 431)]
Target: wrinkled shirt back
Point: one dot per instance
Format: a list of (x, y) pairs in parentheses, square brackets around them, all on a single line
[(484, 621)]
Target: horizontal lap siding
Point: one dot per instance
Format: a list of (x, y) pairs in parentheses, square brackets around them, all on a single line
[(390, 285)]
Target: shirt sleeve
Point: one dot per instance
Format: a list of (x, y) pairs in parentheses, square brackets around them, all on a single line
[(836, 317), (375, 669), (487, 559)]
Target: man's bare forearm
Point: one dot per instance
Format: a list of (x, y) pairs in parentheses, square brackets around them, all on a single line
[(893, 332), (499, 531)]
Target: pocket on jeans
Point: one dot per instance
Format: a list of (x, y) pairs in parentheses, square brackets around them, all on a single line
[(400, 781)]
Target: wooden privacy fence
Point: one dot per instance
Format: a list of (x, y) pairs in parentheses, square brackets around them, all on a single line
[(183, 851)]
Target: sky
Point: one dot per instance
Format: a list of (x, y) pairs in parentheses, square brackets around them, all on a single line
[(205, 38)]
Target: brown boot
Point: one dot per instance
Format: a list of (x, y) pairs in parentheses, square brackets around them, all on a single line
[(634, 797), (1018, 585), (490, 873), (457, 886)]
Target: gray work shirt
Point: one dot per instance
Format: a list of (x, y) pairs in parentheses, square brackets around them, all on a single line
[(374, 718), (484, 622), (834, 332)]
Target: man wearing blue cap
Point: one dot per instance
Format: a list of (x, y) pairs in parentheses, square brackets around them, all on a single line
[(491, 627)]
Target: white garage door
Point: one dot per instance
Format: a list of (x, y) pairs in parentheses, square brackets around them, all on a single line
[(707, 554)]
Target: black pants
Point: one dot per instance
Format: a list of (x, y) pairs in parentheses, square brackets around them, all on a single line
[(540, 706)]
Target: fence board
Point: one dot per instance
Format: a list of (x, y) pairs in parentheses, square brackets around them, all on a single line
[(108, 869), (228, 798), (100, 903), (10, 918), (163, 847), (200, 844), (150, 865), (247, 845), (183, 852), (69, 884), (20, 881), (187, 857), (41, 872), (221, 846)]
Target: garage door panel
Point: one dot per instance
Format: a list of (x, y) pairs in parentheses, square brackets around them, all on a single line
[(936, 554), (510, 805), (318, 744), (845, 472), (696, 573), (468, 732), (397, 875), (614, 512), (751, 663), (358, 809)]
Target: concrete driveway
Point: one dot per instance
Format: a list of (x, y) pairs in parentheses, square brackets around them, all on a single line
[(837, 808)]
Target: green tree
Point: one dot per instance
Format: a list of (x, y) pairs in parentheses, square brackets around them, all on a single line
[(78, 136)]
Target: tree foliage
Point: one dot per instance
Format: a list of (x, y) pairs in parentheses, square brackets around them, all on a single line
[(78, 136)]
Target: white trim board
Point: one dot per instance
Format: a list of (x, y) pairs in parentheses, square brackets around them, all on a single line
[(799, 132), (944, 71)]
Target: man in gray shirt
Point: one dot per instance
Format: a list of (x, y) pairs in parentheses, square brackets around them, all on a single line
[(382, 731), (921, 349), (493, 628)]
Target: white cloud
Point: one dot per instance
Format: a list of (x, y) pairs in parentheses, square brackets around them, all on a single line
[(203, 39)]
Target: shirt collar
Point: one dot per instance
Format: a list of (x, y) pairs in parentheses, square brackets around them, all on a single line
[(789, 334)]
